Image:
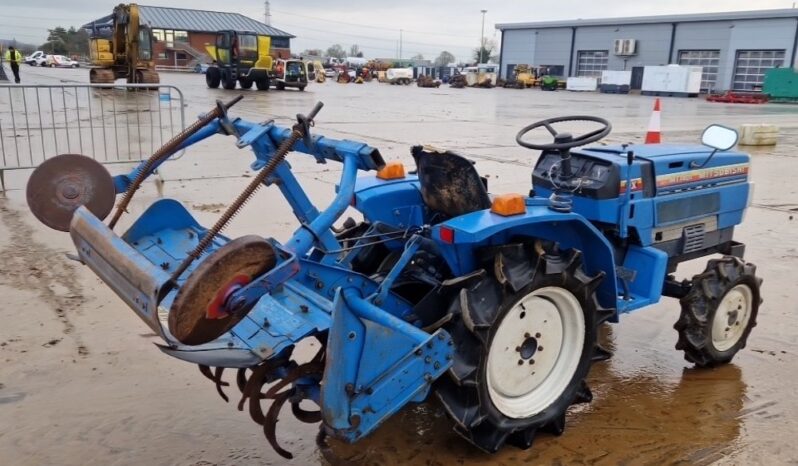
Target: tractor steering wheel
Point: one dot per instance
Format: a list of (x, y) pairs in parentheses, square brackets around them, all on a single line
[(564, 141)]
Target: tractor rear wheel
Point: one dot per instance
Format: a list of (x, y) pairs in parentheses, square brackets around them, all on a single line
[(245, 82), (213, 77), (525, 337), (262, 84), (228, 82), (719, 312)]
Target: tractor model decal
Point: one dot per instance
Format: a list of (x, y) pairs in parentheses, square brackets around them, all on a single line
[(705, 174)]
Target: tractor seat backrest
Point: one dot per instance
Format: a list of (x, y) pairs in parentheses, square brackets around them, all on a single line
[(450, 185)]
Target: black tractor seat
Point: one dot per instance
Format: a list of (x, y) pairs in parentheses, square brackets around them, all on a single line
[(450, 185)]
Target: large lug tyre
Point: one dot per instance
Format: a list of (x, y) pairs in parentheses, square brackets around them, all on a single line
[(719, 312), (525, 337), (262, 84), (213, 77), (245, 83), (280, 86), (228, 82)]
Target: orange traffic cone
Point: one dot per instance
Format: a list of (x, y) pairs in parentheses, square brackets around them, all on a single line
[(654, 134)]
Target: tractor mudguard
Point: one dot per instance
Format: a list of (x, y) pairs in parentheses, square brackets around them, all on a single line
[(396, 202), (460, 238)]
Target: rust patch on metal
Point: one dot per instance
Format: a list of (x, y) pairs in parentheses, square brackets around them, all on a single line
[(249, 255), (65, 182)]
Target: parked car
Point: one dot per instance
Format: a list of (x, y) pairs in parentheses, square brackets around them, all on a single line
[(201, 68), (61, 61), (329, 72), (40, 60), (32, 58)]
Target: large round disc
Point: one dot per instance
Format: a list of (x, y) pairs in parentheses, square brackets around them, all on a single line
[(189, 320), (65, 182)]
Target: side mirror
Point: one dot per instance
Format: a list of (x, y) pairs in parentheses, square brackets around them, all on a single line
[(719, 137)]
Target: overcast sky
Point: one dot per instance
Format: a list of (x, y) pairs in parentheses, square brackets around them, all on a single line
[(429, 26)]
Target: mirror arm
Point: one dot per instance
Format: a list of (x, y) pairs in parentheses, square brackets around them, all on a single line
[(694, 164)]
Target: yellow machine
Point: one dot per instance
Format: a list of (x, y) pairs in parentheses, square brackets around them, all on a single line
[(241, 57), (127, 54), (523, 76)]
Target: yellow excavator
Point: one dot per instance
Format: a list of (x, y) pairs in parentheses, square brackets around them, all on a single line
[(127, 54)]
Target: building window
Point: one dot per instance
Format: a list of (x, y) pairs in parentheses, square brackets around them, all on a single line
[(281, 42), (158, 35), (751, 65), (709, 60), (181, 36), (161, 56), (591, 62)]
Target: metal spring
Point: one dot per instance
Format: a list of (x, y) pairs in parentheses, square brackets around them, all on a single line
[(561, 202), (297, 134), (165, 151)]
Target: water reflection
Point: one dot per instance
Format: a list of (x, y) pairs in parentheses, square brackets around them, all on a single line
[(640, 417)]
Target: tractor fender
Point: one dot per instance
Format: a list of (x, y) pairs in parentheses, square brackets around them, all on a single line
[(460, 238)]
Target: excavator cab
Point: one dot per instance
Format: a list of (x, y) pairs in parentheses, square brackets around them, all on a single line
[(124, 54)]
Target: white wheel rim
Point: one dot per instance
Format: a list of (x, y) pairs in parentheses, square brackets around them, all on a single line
[(731, 317), (535, 352)]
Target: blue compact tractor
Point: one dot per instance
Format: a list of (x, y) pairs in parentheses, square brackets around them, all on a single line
[(492, 302)]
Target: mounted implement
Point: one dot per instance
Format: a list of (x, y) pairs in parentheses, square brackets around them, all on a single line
[(492, 303), (127, 54)]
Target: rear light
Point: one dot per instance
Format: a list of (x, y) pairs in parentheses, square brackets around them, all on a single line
[(508, 204), (447, 235), (391, 171)]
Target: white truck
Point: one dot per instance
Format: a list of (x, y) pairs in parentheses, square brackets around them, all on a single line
[(36, 58), (399, 75)]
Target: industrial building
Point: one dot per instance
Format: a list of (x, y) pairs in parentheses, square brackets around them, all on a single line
[(734, 48), (180, 34)]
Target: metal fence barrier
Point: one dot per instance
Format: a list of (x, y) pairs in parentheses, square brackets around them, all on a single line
[(110, 123)]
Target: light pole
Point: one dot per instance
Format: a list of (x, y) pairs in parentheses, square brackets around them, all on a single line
[(482, 39)]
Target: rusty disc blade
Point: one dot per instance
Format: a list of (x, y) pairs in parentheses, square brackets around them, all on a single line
[(65, 182), (188, 320)]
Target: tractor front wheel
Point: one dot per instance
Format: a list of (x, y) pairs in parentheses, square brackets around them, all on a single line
[(245, 83), (213, 77), (719, 312), (525, 337)]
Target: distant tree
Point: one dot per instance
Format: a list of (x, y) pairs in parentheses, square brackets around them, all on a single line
[(486, 53), (312, 52), (67, 41), (354, 50), (336, 51), (444, 59), (417, 56), (56, 41), (359, 55), (77, 42)]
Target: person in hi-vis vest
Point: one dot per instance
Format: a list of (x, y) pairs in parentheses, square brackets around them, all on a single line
[(14, 58)]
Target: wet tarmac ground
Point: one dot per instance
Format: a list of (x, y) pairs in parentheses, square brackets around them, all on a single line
[(81, 382)]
